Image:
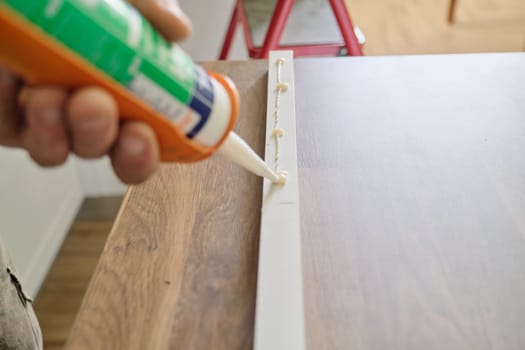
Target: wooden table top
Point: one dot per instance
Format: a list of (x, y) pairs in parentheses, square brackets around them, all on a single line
[(412, 199)]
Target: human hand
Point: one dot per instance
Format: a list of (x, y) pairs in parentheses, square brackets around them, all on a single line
[(52, 121)]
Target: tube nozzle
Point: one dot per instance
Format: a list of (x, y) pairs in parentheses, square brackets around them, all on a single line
[(239, 152)]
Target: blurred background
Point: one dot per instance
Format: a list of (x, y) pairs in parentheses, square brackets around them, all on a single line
[(391, 27)]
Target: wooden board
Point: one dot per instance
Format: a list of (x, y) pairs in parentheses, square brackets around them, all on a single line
[(279, 318), (412, 194), (180, 266)]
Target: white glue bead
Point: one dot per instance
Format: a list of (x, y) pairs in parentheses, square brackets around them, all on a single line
[(282, 177), (278, 132), (282, 86), (280, 60)]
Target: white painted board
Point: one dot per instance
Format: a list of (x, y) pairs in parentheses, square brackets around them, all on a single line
[(279, 318)]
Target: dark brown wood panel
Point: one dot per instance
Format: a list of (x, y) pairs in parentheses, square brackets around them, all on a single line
[(179, 268), (412, 192)]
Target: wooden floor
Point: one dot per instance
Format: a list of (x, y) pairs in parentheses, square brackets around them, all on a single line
[(59, 299), (395, 27), (391, 27)]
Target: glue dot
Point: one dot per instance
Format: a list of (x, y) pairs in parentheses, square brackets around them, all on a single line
[(282, 177), (278, 132), (280, 60), (282, 86)]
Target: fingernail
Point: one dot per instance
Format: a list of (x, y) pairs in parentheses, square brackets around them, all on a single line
[(50, 116), (133, 146)]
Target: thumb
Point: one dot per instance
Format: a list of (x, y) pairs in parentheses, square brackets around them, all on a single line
[(166, 16)]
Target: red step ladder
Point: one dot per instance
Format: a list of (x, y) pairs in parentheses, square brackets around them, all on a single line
[(351, 45)]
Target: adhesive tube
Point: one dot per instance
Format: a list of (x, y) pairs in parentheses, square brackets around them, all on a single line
[(108, 43)]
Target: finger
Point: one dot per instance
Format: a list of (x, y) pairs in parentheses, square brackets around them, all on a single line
[(135, 156), (166, 16), (10, 116), (92, 118), (45, 136)]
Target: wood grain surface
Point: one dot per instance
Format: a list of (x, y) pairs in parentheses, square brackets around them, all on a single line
[(412, 199), (412, 173), (179, 268)]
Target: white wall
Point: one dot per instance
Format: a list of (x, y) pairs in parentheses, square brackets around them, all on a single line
[(210, 20), (37, 207), (97, 178)]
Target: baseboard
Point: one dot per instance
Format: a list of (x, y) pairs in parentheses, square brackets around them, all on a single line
[(52, 239)]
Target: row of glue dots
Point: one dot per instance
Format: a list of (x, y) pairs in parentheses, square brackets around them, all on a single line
[(278, 132)]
